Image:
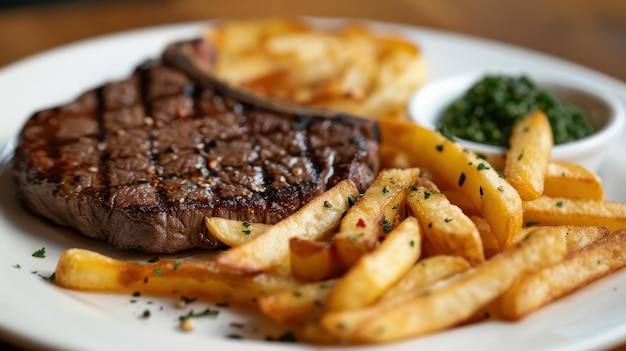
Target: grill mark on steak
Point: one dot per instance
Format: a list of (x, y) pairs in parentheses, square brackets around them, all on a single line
[(140, 162)]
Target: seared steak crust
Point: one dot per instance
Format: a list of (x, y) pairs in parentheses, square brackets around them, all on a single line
[(139, 163)]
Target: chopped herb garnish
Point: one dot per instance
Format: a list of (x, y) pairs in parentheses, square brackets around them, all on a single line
[(385, 190), (461, 179), (447, 220), (480, 190), (481, 156), (177, 265), (133, 301), (520, 156), (17, 265), (222, 304), (426, 195), (136, 294), (188, 299), (351, 200), (297, 294), (206, 313), (482, 167), (530, 224), (439, 148), (41, 253), (158, 271), (234, 336), (245, 224), (412, 187), (386, 226), (247, 231), (412, 243), (502, 175), (146, 314), (154, 259), (49, 278), (559, 204), (395, 207)]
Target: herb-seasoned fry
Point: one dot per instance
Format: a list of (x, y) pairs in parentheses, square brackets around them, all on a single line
[(89, 271), (527, 159), (454, 167), (313, 221), (365, 223)]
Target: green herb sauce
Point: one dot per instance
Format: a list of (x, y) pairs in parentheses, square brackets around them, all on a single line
[(489, 109)]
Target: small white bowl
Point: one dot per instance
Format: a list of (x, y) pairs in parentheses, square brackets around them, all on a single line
[(604, 111)]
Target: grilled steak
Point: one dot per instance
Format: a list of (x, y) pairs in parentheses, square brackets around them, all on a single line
[(139, 163)]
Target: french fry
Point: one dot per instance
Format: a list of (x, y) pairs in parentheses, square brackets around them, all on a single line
[(313, 221), (344, 324), (392, 157), (376, 271), (490, 243), (421, 277), (458, 198), (232, 232), (447, 228), (90, 271), (528, 156), (575, 237), (352, 69), (459, 300), (587, 265), (313, 261), (453, 166), (426, 272), (362, 225), (572, 181), (563, 211), (294, 307)]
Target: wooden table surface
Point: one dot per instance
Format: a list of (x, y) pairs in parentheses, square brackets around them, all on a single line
[(589, 32)]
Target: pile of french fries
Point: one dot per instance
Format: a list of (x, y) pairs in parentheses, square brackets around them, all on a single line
[(351, 69), (444, 237)]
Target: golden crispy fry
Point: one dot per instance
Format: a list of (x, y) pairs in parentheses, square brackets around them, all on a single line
[(528, 156), (445, 226), (232, 232), (89, 271), (393, 157), (575, 237), (459, 300), (490, 243), (312, 221), (587, 265), (425, 273), (572, 181), (344, 324), (364, 223), (352, 69), (453, 167), (458, 198), (421, 277), (376, 271), (313, 260), (563, 211), (294, 306)]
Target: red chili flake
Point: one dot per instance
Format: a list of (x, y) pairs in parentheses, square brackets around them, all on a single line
[(360, 223)]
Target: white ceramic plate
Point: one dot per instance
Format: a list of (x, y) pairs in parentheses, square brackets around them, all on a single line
[(34, 313)]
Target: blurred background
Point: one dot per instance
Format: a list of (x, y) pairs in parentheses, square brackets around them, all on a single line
[(588, 32)]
